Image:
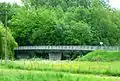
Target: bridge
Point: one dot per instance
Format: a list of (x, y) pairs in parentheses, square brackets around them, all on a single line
[(55, 52)]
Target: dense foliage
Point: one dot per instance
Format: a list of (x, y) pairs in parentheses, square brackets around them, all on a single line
[(63, 22), (10, 42)]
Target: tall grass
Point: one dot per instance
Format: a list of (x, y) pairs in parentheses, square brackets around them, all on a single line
[(23, 75), (104, 68)]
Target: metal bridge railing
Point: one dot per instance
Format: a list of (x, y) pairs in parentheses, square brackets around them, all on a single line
[(107, 48)]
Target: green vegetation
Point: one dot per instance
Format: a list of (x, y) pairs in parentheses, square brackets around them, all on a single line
[(104, 68), (63, 22), (23, 75), (59, 70), (99, 55), (60, 22), (10, 42)]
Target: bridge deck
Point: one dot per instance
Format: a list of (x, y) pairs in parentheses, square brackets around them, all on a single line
[(69, 48)]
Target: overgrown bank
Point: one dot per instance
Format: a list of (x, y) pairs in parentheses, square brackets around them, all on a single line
[(100, 55)]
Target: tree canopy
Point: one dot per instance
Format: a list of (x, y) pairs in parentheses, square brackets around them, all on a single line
[(65, 22)]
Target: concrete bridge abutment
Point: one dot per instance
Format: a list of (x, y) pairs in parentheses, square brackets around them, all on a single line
[(55, 56)]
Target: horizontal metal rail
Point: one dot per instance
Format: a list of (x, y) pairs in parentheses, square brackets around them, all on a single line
[(69, 48)]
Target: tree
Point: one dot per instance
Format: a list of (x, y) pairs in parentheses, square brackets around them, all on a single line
[(64, 4), (103, 26), (10, 9), (54, 22), (25, 22), (11, 44)]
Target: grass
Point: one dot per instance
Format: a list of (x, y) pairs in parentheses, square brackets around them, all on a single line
[(95, 66), (100, 55), (85, 67), (24, 75)]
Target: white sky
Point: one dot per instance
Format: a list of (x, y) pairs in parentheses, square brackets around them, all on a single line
[(113, 3), (12, 1)]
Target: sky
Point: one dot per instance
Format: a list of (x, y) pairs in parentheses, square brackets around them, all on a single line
[(113, 3), (12, 1)]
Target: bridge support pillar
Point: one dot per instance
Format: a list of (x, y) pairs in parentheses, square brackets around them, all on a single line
[(55, 56)]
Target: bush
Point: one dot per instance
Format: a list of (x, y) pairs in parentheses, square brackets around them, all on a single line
[(100, 55), (11, 44)]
